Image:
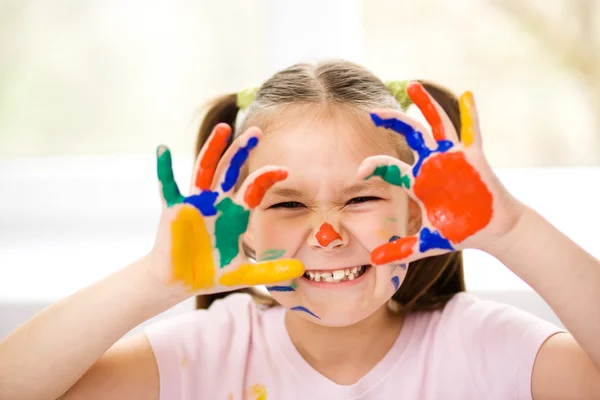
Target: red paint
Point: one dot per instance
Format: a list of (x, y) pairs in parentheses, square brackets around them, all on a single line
[(393, 251), (327, 234), (419, 96), (257, 189), (212, 155), (457, 201)]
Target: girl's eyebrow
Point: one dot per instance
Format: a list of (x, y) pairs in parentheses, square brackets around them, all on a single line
[(352, 190), (361, 187), (285, 192)]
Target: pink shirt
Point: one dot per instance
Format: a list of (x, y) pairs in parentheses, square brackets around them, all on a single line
[(472, 349)]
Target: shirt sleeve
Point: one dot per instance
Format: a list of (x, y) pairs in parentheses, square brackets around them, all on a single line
[(501, 343), (202, 353)]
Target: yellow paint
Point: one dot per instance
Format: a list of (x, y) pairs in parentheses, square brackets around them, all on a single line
[(466, 105), (184, 362), (263, 273), (257, 392), (192, 250), (384, 234)]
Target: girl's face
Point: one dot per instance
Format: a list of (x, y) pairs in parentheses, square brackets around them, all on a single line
[(323, 216)]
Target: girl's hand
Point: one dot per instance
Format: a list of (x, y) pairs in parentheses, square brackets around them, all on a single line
[(197, 250), (463, 203)]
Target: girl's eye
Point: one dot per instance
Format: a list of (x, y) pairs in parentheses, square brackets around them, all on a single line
[(362, 199), (288, 204)]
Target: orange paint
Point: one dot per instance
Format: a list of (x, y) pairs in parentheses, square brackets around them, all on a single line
[(393, 251), (457, 201), (327, 234), (257, 189), (419, 96), (212, 155)]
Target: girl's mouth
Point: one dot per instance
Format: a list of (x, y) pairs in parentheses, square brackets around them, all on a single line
[(338, 275)]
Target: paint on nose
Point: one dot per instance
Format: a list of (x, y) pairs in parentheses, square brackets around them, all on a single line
[(327, 234)]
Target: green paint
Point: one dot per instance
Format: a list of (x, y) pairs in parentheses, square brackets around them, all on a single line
[(392, 219), (293, 285), (272, 254), (229, 226), (164, 169), (391, 174)]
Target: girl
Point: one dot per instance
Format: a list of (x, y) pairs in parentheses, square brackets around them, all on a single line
[(354, 218)]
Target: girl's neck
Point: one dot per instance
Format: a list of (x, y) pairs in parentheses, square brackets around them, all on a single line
[(345, 354)]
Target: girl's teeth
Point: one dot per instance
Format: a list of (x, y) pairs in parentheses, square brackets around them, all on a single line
[(340, 275)]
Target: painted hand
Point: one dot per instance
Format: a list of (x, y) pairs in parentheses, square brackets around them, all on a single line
[(199, 235), (463, 203)]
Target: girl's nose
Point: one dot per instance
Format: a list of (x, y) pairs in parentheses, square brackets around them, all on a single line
[(327, 237)]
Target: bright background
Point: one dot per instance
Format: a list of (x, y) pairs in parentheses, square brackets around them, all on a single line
[(89, 89)]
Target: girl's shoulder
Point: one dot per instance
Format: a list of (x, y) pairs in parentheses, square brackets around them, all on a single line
[(469, 314), (491, 346)]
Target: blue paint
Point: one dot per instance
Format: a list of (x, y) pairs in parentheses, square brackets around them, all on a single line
[(280, 288), (395, 238), (396, 282), (414, 139), (304, 309), (433, 240), (403, 266), (204, 201), (238, 160)]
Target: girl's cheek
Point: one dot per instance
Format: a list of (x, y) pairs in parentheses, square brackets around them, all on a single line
[(273, 232)]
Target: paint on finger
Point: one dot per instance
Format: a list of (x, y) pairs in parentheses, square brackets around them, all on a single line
[(466, 105), (392, 175), (421, 98), (263, 273), (164, 170), (257, 189), (210, 158), (191, 250), (237, 161), (304, 309), (394, 251)]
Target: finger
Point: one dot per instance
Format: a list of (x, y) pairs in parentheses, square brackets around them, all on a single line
[(441, 126), (412, 130), (164, 169), (229, 167), (469, 121), (426, 243), (390, 169), (263, 273), (258, 183), (209, 156)]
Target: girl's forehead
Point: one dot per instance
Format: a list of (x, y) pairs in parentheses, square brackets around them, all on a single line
[(316, 140)]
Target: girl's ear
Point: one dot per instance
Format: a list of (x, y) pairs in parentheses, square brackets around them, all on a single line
[(415, 216)]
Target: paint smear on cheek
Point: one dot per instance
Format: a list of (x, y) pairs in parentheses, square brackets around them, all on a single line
[(304, 309), (327, 234)]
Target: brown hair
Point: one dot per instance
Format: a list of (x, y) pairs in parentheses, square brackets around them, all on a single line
[(430, 282)]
